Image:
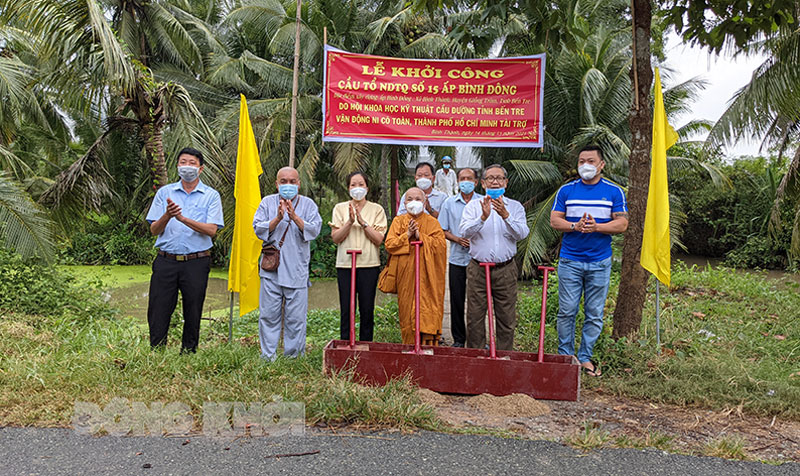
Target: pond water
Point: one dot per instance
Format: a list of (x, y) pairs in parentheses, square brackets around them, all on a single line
[(132, 299)]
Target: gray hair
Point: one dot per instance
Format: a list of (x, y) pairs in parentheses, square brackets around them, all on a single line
[(474, 172), (494, 166)]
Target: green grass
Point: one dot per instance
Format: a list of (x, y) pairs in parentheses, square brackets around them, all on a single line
[(729, 339), (49, 363), (118, 276)]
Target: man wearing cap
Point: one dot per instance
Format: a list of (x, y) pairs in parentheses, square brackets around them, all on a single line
[(185, 216), (446, 179)]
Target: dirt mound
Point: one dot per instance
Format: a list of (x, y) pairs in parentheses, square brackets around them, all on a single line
[(514, 405), (431, 398)]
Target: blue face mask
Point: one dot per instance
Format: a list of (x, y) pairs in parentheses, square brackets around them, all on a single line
[(446, 166), (495, 193), (466, 186), (287, 190)]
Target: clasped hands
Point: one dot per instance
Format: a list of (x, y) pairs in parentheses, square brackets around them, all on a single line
[(586, 224), (488, 204)]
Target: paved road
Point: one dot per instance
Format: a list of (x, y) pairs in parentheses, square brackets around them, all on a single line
[(54, 452)]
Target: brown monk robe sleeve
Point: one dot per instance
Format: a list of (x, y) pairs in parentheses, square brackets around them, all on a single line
[(433, 266)]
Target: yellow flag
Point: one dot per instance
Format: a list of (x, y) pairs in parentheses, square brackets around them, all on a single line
[(655, 243), (243, 272)]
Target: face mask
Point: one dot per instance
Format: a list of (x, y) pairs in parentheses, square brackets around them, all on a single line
[(287, 190), (446, 166), (587, 172), (495, 193), (358, 193), (414, 207), (424, 183), (188, 173), (466, 186)]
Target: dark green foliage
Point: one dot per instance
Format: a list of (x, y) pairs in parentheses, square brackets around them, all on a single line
[(731, 222), (34, 288), (105, 241)]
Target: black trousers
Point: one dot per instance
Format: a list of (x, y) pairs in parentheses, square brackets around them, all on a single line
[(366, 285), (458, 294), (169, 277)]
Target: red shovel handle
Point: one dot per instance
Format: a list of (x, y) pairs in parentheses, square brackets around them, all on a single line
[(353, 254), (546, 270), (417, 346), (490, 308)]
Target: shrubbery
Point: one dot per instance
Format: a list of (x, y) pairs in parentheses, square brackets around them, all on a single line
[(731, 222), (39, 289), (104, 241)]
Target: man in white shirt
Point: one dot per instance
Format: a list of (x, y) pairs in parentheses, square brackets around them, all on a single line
[(493, 227), (446, 178)]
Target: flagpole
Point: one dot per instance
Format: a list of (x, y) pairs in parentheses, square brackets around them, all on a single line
[(230, 322), (658, 317)]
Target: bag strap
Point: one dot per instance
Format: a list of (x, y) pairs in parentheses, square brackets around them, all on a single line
[(280, 244)]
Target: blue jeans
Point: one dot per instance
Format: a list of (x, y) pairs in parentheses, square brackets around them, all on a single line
[(591, 280)]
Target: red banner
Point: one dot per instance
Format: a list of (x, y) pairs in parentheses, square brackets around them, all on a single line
[(490, 103)]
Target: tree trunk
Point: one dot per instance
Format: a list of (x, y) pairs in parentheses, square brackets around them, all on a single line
[(633, 281), (152, 134), (383, 173), (394, 177)]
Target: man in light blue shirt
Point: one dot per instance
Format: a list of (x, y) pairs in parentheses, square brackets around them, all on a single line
[(290, 222), (450, 219), (185, 216), (423, 176)]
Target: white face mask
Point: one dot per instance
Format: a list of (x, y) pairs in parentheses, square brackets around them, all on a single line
[(414, 207), (358, 193), (424, 183), (587, 172)]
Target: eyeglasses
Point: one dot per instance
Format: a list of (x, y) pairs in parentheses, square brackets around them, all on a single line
[(495, 179)]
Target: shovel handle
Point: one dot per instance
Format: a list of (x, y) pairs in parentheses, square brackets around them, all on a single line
[(546, 270), (417, 345), (353, 254), (490, 309)]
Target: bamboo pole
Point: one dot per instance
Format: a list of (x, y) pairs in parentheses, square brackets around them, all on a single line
[(295, 75)]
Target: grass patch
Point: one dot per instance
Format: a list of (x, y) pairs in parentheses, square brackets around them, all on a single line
[(727, 446), (592, 437), (729, 340)]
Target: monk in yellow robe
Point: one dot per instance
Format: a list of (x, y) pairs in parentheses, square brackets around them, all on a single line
[(417, 225)]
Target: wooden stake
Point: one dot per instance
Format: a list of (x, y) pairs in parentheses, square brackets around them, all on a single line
[(295, 75)]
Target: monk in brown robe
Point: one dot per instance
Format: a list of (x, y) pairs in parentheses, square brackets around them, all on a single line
[(416, 225)]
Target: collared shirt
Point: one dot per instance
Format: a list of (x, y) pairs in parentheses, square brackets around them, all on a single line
[(202, 204), (601, 201), (495, 240), (446, 182), (436, 199), (375, 216), (296, 250), (450, 219)]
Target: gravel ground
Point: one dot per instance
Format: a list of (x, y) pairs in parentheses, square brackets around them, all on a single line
[(53, 452)]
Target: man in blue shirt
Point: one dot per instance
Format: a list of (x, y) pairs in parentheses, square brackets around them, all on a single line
[(185, 216), (588, 211), (423, 176), (450, 219)]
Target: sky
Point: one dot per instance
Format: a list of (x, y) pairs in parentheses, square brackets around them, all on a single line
[(725, 75)]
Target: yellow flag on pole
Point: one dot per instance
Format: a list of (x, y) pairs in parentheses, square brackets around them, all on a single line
[(243, 272), (655, 256)]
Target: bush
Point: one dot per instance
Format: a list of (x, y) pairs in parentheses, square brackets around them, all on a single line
[(103, 241), (29, 287)]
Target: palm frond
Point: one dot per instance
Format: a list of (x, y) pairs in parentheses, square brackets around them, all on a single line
[(24, 227)]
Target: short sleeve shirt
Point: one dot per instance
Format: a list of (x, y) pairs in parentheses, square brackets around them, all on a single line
[(203, 204), (600, 201), (375, 216)]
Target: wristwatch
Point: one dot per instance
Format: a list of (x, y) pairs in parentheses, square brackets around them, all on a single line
[(364, 225), (572, 226)]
